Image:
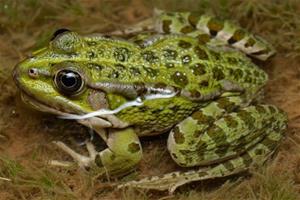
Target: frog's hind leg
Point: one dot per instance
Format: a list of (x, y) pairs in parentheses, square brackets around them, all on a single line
[(214, 32), (231, 144)]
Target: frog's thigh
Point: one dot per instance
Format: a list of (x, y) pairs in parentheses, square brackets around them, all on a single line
[(123, 153), (191, 143)]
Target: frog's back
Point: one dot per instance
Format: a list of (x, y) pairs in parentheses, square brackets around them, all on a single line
[(183, 63)]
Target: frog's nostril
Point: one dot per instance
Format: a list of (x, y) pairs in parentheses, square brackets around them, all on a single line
[(33, 72)]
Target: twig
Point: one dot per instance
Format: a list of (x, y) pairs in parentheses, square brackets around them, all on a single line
[(5, 179)]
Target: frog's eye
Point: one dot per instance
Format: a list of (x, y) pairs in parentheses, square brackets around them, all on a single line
[(69, 82)]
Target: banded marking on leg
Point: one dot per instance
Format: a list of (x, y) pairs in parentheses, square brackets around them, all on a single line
[(257, 153), (241, 130), (216, 32), (190, 132)]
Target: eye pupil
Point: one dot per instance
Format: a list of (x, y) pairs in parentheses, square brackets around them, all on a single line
[(69, 79), (68, 82)]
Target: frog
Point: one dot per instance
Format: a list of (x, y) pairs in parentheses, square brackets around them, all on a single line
[(184, 74)]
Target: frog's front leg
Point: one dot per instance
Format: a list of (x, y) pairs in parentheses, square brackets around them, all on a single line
[(123, 152), (230, 144)]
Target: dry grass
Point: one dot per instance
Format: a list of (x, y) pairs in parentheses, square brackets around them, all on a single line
[(28, 24)]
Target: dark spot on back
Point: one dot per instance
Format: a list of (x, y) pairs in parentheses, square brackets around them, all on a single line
[(202, 55), (187, 29), (183, 44), (135, 71), (91, 54), (119, 67), (95, 66), (203, 38), (166, 26), (170, 54), (216, 55), (170, 65), (238, 74), (180, 79), (186, 59), (150, 56), (150, 71), (91, 43), (218, 73), (198, 69), (232, 60), (114, 74), (181, 19), (121, 54), (203, 83)]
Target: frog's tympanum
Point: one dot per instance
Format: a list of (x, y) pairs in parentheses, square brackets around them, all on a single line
[(187, 75)]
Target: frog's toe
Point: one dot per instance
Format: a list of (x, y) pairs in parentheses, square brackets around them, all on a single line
[(83, 161)]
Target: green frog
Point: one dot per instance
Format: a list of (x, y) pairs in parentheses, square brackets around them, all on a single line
[(181, 73)]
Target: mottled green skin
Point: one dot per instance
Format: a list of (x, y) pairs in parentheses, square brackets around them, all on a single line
[(162, 63), (212, 124)]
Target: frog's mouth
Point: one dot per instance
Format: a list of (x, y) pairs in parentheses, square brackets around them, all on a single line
[(37, 105)]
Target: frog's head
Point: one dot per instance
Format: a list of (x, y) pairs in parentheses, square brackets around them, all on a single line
[(54, 79)]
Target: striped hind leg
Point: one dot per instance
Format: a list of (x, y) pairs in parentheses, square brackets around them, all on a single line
[(214, 32), (230, 145)]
